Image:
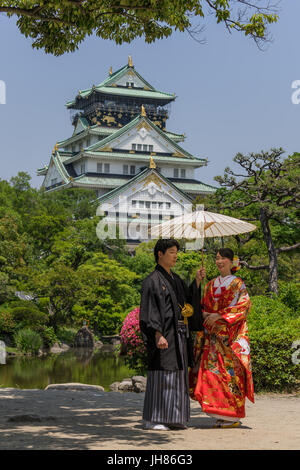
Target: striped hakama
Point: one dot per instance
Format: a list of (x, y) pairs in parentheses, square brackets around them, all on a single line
[(167, 391)]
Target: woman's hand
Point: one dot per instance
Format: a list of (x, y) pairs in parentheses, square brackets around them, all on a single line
[(161, 342), (200, 275), (211, 319)]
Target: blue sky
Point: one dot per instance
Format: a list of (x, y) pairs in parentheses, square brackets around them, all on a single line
[(231, 97)]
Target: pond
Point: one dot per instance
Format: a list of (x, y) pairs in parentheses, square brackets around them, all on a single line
[(98, 367)]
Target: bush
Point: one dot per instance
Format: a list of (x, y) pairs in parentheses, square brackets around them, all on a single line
[(289, 294), (48, 335), (273, 327), (7, 323), (29, 316), (66, 334), (131, 337), (28, 341)]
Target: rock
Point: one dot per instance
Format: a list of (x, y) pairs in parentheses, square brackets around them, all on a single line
[(135, 384), (56, 349), (98, 344), (112, 339), (76, 387), (139, 383), (115, 341), (114, 387), (126, 386), (139, 387), (139, 379), (84, 338)]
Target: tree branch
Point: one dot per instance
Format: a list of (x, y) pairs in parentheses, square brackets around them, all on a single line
[(288, 248)]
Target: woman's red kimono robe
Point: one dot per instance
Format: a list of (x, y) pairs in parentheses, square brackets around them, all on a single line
[(222, 376)]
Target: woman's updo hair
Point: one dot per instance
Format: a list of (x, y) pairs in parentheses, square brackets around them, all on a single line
[(227, 253)]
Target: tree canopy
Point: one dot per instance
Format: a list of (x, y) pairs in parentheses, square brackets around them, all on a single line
[(60, 26)]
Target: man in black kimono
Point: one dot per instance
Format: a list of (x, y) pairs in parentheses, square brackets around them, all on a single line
[(167, 339)]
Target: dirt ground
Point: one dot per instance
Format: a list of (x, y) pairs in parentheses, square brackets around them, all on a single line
[(57, 419)]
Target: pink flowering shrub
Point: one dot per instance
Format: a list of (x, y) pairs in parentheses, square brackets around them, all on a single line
[(131, 337)]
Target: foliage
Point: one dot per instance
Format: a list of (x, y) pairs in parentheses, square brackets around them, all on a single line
[(66, 334), (266, 191), (59, 26), (28, 341), (289, 294), (7, 322), (273, 328), (48, 335), (28, 316), (131, 337)]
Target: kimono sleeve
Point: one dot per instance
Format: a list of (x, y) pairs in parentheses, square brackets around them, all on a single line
[(150, 315), (238, 309)]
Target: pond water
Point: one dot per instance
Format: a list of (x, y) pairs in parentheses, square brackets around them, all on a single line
[(98, 367)]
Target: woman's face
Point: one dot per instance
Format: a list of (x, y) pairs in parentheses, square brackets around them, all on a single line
[(224, 265)]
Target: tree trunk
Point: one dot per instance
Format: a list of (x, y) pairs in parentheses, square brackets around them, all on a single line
[(273, 263)]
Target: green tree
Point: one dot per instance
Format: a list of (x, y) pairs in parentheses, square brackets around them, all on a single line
[(268, 192), (59, 26)]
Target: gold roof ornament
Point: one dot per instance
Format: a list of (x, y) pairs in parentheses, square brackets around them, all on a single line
[(55, 148), (143, 111), (130, 61), (152, 163), (110, 71)]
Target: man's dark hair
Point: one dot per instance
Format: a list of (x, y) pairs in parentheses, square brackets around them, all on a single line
[(163, 244), (226, 253)]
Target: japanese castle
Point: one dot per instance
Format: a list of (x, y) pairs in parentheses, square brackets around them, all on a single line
[(120, 147)]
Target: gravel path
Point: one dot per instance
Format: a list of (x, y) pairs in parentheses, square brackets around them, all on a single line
[(58, 419)]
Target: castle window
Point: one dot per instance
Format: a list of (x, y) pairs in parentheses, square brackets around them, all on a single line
[(168, 205), (148, 204), (99, 167), (182, 173), (125, 169), (176, 172), (150, 148), (106, 167), (141, 204), (145, 148), (132, 169), (133, 202), (133, 147), (139, 146)]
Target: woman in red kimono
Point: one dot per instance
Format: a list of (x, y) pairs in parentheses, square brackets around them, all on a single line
[(222, 376)]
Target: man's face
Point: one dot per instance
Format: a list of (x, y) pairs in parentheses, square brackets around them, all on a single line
[(168, 258)]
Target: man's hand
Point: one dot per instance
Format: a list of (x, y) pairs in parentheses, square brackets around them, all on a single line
[(161, 342), (200, 275)]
